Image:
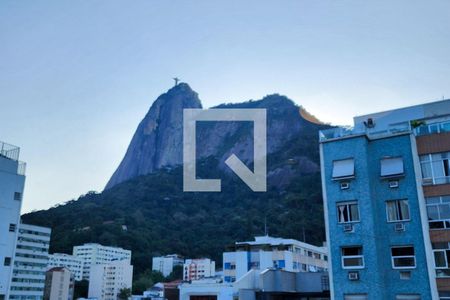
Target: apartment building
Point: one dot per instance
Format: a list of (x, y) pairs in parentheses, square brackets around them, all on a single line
[(95, 254), (71, 262), (12, 180), (267, 252), (385, 189), (30, 263), (59, 284), (165, 264), (195, 269), (107, 280)]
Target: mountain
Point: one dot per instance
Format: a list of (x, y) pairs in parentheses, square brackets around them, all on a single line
[(158, 138), (145, 209), (157, 142)]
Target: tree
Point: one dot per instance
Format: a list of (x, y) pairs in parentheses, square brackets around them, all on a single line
[(124, 294), (177, 273)]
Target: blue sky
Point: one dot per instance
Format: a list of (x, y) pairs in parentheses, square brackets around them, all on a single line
[(76, 77)]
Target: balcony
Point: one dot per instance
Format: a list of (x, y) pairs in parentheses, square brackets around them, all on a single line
[(433, 128), (346, 131), (9, 151)]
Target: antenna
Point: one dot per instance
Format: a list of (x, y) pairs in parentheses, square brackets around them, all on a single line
[(266, 232)]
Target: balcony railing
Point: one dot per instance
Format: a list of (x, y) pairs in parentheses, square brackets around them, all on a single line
[(438, 127), (9, 151), (337, 132), (344, 131)]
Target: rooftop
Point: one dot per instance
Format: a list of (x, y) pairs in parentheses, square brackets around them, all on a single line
[(433, 117), (276, 241)]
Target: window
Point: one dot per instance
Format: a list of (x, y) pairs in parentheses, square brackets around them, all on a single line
[(343, 168), (348, 212), (407, 297), (17, 196), (444, 295), (403, 257), (355, 297), (12, 227), (391, 166), (7, 261), (438, 211), (441, 253), (435, 168), (397, 210), (352, 257)]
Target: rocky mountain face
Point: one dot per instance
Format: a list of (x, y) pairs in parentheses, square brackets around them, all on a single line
[(157, 142)]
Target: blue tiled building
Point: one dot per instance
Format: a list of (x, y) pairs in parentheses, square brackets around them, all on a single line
[(375, 210)]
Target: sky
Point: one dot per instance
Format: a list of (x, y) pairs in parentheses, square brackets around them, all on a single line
[(76, 77)]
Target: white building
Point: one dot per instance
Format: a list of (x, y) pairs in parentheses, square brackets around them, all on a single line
[(96, 254), (194, 269), (270, 252), (211, 288), (12, 182), (30, 263), (107, 280), (73, 263), (165, 264), (59, 284)]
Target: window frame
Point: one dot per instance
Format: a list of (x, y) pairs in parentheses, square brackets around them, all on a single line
[(397, 206), (361, 256), (344, 177), (403, 256), (445, 221), (347, 207), (393, 175)]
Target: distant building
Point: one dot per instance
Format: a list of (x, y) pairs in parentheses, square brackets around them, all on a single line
[(12, 179), (30, 263), (73, 263), (260, 284), (107, 280), (386, 187), (194, 269), (165, 264), (59, 284), (270, 252), (96, 254)]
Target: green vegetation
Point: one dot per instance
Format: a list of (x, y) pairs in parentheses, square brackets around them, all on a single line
[(151, 215)]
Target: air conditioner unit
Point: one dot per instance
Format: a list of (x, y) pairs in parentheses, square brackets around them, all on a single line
[(348, 227), (393, 184), (399, 227), (345, 185), (353, 276)]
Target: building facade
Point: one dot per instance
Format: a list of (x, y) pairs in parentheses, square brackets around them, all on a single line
[(108, 280), (96, 254), (267, 252), (195, 269), (30, 263), (165, 264), (59, 284), (12, 180), (73, 263), (383, 202)]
